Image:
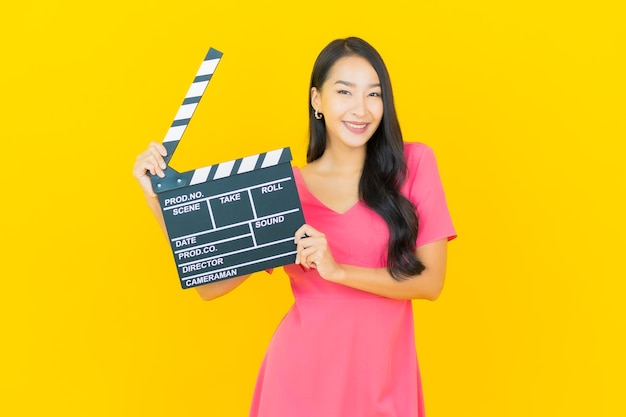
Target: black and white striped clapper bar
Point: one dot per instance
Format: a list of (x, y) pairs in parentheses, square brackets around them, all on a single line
[(232, 218)]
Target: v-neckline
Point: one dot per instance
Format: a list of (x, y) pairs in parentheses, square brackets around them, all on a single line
[(310, 193)]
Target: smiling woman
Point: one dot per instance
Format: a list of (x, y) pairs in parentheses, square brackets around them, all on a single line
[(376, 233), (346, 348)]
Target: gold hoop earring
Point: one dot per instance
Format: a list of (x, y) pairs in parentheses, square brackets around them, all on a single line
[(318, 115)]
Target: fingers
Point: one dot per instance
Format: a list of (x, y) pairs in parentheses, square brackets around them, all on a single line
[(316, 256), (312, 251), (151, 160), (304, 232), (313, 260), (311, 246), (154, 159)]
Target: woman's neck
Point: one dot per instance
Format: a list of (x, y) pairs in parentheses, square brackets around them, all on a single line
[(342, 160)]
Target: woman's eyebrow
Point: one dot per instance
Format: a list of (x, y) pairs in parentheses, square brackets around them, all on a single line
[(350, 84)]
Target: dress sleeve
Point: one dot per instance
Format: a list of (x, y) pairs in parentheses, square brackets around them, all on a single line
[(424, 189)]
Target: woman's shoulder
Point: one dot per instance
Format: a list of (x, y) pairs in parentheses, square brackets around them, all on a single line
[(304, 171), (416, 152), (416, 148)]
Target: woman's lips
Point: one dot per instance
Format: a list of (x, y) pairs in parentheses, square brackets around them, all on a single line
[(355, 127)]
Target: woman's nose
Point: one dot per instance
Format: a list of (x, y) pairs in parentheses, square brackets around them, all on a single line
[(358, 108)]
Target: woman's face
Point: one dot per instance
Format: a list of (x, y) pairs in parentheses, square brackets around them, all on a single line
[(351, 101)]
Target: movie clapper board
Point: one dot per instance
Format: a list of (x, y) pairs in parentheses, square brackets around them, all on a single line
[(232, 218)]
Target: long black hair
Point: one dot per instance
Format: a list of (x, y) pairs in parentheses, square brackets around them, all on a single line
[(384, 169)]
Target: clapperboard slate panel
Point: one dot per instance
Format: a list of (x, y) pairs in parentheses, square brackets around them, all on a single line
[(232, 218)]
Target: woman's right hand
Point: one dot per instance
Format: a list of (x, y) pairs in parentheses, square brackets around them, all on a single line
[(151, 160)]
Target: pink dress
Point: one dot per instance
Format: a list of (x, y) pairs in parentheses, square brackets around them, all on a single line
[(341, 352)]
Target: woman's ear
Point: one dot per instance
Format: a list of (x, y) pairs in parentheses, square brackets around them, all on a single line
[(315, 99)]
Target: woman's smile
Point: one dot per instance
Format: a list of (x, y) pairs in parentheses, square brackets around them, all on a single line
[(356, 127)]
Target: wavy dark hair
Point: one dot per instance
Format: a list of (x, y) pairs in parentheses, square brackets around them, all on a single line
[(384, 169)]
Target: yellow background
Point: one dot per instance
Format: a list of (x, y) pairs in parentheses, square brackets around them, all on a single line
[(522, 101)]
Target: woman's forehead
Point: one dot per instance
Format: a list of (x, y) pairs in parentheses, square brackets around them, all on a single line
[(353, 69)]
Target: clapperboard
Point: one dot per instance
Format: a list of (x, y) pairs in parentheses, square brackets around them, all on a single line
[(232, 218)]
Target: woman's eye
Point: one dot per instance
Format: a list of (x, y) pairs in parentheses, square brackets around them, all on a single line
[(343, 92), (376, 94)]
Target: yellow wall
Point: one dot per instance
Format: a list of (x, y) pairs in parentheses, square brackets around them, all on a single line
[(523, 103)]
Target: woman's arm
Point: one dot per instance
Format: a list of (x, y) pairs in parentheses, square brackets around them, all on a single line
[(427, 285), (313, 252), (152, 161)]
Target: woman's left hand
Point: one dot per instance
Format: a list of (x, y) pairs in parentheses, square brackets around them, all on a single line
[(313, 252)]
